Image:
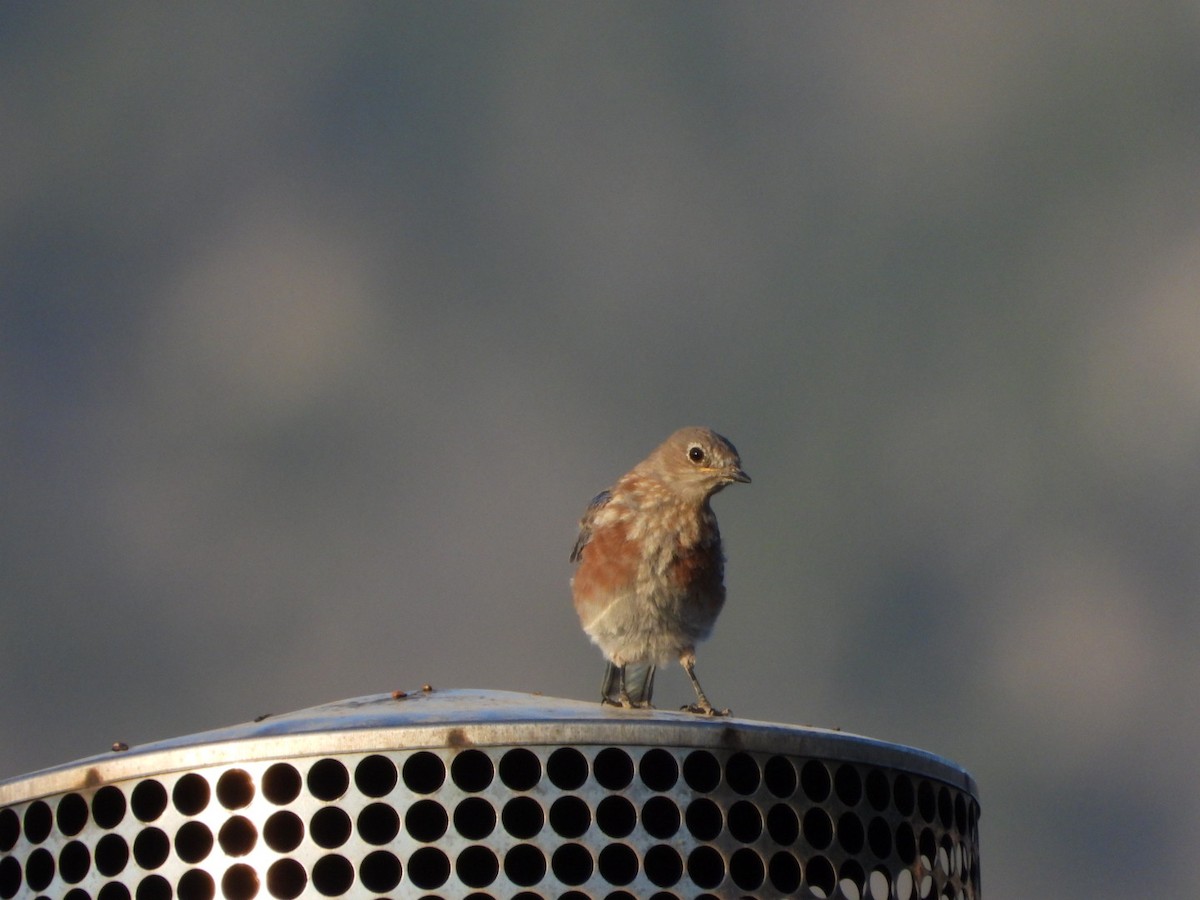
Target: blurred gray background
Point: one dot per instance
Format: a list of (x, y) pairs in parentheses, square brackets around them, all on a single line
[(321, 323)]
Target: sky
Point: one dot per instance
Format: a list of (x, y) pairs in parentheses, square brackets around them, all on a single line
[(320, 324)]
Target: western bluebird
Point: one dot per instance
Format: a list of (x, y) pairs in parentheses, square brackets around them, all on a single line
[(650, 581)]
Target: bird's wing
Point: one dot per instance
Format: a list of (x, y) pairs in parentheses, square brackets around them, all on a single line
[(585, 524)]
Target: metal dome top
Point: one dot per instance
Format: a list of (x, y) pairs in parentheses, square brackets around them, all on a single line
[(464, 718)]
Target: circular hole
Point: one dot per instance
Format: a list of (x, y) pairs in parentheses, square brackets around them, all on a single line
[(423, 772), (572, 864), (746, 869), (380, 871), (10, 829), (879, 792), (945, 807), (821, 876), (906, 844), (850, 833), (193, 842), (38, 822), (524, 865), (108, 807), (818, 828), (663, 895), (780, 776), (620, 895), (10, 877), (664, 866), (815, 781), (114, 890), (428, 867), (283, 831), (618, 864), (39, 869), (660, 817), (112, 855), (703, 819), (150, 848), (286, 879), (879, 838), (852, 879), (616, 817), (154, 887), (927, 845), (474, 818), (848, 784), (240, 882), (782, 824), (947, 858), (190, 794), (196, 884), (472, 770), (658, 769), (926, 804), (613, 768), (741, 773), (745, 822), (327, 780), (237, 836), (378, 823), (74, 894), (520, 769), (784, 872), (281, 784), (376, 776), (706, 867), (522, 817), (570, 817), (235, 789), (333, 875), (701, 771), (72, 814), (426, 820), (904, 795), (879, 885), (567, 768), (148, 800), (330, 827), (477, 867), (960, 814)]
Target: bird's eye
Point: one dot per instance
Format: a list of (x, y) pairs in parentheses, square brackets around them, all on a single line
[(696, 455)]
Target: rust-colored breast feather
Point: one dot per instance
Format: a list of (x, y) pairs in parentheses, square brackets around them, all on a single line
[(607, 565)]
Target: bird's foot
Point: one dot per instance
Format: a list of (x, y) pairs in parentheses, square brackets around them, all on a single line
[(706, 709), (626, 702)]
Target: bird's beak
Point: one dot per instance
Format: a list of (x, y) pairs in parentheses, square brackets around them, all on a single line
[(738, 474)]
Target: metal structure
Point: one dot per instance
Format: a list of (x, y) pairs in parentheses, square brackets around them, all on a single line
[(481, 794)]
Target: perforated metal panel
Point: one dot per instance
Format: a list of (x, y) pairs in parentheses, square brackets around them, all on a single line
[(486, 794)]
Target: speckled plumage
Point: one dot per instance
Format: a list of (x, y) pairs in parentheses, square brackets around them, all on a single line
[(650, 581)]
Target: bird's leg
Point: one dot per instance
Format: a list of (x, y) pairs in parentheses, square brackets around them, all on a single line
[(688, 660), (622, 699)]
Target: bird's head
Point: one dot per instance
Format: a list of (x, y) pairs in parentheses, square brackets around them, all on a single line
[(696, 463)]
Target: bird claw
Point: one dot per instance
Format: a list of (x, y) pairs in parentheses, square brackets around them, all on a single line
[(705, 710), (625, 703)]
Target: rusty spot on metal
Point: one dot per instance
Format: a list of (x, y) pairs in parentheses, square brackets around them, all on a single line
[(399, 695), (457, 738), (91, 778)]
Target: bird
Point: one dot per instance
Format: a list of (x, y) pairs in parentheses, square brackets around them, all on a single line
[(650, 576)]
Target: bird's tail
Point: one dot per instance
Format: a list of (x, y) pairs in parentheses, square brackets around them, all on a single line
[(639, 682)]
